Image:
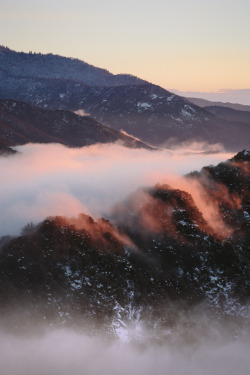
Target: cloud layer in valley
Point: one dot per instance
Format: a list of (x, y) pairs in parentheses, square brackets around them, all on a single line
[(47, 180), (62, 352)]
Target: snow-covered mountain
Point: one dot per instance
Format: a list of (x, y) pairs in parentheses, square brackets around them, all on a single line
[(123, 102), (157, 258)]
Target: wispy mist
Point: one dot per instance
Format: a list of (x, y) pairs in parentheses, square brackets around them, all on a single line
[(45, 180)]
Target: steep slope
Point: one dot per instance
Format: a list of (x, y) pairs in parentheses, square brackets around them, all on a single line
[(21, 123), (123, 102), (160, 258)]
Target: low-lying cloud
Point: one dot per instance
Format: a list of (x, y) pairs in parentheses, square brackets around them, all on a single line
[(63, 352), (47, 180)]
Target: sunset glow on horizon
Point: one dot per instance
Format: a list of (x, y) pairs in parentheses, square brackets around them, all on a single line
[(190, 45)]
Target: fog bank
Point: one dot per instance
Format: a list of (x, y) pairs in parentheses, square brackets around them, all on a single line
[(64, 352), (47, 180)]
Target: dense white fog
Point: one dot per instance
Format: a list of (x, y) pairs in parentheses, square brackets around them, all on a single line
[(64, 352), (45, 180)]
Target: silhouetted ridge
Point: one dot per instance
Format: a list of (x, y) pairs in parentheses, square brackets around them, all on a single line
[(50, 66)]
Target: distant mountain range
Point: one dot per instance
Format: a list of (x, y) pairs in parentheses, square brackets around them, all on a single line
[(22, 123), (156, 259), (235, 96), (123, 102), (208, 103)]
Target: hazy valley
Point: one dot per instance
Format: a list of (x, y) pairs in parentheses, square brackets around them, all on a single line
[(124, 227)]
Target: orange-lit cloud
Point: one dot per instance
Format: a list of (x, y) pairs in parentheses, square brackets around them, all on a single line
[(52, 179)]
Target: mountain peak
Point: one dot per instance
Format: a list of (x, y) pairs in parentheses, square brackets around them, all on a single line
[(51, 66), (242, 156)]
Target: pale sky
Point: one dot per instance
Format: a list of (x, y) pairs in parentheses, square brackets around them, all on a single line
[(197, 45)]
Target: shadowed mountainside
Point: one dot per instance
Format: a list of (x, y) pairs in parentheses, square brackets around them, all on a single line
[(230, 114), (22, 123), (142, 109)]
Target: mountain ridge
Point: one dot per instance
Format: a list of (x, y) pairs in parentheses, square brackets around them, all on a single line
[(230, 114), (146, 111), (57, 66), (23, 123), (162, 262), (208, 103)]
